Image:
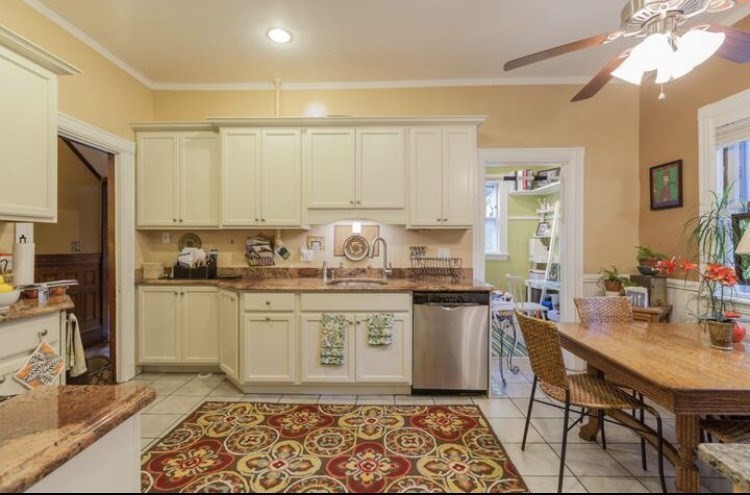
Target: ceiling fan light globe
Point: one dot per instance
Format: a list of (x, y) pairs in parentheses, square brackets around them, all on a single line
[(630, 71), (699, 45)]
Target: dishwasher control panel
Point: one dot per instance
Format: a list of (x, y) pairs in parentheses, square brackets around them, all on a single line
[(481, 298)]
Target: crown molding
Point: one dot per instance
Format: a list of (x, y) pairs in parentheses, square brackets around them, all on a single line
[(36, 53), (354, 85), (212, 124), (87, 40)]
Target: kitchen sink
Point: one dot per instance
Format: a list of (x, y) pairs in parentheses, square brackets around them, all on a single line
[(358, 283)]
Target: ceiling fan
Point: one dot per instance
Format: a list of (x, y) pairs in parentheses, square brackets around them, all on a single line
[(664, 51)]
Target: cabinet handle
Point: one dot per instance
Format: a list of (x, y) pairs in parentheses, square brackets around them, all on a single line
[(2, 379), (268, 318)]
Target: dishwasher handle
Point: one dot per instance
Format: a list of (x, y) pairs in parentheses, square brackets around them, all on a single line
[(450, 305)]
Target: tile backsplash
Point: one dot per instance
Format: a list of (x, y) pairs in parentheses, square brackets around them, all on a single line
[(231, 245)]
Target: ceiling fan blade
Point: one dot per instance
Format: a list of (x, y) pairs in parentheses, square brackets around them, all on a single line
[(736, 46), (601, 79), (556, 51)]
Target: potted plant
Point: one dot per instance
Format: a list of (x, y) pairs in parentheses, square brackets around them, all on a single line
[(711, 233), (612, 281), (648, 258)]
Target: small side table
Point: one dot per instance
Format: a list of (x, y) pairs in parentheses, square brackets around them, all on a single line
[(652, 314)]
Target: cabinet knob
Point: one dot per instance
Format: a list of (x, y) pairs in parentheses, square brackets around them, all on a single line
[(174, 220), (359, 202), (439, 219), (268, 303), (2, 379), (181, 220), (445, 219), (268, 318), (43, 333), (262, 219), (351, 202)]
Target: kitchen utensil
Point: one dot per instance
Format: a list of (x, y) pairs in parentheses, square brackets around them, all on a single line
[(356, 248), (8, 298), (189, 240)]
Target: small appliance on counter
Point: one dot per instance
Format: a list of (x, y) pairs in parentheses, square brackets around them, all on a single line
[(193, 264)]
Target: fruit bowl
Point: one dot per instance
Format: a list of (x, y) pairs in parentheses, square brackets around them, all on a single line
[(8, 298)]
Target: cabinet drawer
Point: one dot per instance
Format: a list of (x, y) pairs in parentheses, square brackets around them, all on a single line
[(8, 367), (270, 301), (355, 302), (22, 337)]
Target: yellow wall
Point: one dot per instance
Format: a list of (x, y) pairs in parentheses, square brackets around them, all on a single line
[(518, 116), (78, 209), (669, 131), (103, 94)]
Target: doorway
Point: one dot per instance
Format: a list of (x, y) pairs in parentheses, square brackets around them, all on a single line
[(81, 246)]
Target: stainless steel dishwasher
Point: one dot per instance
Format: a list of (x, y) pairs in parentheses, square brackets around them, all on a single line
[(451, 341)]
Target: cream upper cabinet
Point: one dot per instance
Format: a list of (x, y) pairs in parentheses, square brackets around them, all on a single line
[(199, 180), (158, 325), (28, 129), (229, 338), (280, 178), (178, 179), (330, 157), (269, 348), (261, 177), (381, 168), (442, 161), (199, 325)]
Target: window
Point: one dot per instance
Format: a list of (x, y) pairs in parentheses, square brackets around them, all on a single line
[(496, 218), (733, 160)]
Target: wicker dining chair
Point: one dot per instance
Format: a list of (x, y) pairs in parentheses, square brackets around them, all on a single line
[(610, 310), (584, 391)]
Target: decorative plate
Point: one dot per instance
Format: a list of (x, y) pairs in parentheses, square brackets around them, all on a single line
[(356, 248), (189, 240)]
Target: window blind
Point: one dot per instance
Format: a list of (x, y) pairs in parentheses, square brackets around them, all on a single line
[(733, 133)]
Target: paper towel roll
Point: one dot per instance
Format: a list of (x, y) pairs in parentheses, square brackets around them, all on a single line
[(23, 263)]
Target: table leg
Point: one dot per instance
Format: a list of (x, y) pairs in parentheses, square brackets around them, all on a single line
[(589, 430), (687, 476)]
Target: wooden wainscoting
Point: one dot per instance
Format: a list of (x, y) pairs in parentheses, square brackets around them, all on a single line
[(88, 296)]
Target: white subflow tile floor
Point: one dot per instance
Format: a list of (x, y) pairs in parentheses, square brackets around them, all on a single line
[(589, 468)]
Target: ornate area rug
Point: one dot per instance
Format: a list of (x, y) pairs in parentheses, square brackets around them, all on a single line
[(289, 448)]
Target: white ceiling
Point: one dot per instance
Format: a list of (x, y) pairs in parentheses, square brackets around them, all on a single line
[(398, 42)]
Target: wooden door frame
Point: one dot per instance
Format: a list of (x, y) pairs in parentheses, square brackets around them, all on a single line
[(120, 236)]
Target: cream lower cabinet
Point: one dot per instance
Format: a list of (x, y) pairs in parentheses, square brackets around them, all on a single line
[(383, 363), (229, 338), (312, 370), (178, 325), (269, 348)]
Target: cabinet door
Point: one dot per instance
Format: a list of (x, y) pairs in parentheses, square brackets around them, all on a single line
[(269, 344), (426, 163), (28, 140), (240, 159), (199, 180), (199, 325), (312, 370), (381, 168), (330, 168), (157, 173), (158, 325), (384, 363), (229, 340), (281, 177), (459, 161)]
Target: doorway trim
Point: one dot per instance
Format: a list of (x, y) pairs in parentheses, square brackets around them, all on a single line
[(124, 156), (571, 161)]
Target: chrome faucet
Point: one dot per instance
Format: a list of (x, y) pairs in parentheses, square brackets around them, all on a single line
[(325, 272), (387, 270)]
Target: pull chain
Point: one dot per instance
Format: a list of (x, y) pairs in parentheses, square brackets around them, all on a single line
[(662, 96)]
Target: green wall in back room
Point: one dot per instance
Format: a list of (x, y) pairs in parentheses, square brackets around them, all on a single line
[(519, 233)]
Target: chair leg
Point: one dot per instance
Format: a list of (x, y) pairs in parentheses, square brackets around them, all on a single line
[(601, 429), (564, 444), (644, 462), (528, 414), (660, 448)]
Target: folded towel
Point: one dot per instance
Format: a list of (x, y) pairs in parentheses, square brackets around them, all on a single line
[(380, 329), (74, 348), (332, 339)]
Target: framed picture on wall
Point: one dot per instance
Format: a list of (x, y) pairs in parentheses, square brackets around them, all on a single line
[(666, 185), (543, 229)]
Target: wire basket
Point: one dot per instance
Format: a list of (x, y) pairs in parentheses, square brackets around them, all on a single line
[(436, 267)]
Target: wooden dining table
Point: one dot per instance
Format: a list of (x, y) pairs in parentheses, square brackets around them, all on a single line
[(674, 366)]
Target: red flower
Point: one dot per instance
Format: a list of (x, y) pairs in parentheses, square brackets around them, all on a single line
[(687, 266), (722, 274), (667, 266)]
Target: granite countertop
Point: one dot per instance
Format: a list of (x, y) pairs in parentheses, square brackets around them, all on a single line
[(29, 308), (730, 459), (43, 429), (309, 284)]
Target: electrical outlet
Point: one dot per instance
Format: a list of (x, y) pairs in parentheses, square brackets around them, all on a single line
[(166, 238), (75, 246)]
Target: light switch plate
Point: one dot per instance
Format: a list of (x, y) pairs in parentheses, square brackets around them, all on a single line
[(166, 238)]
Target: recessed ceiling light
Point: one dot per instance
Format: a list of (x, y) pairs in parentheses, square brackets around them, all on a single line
[(278, 35)]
